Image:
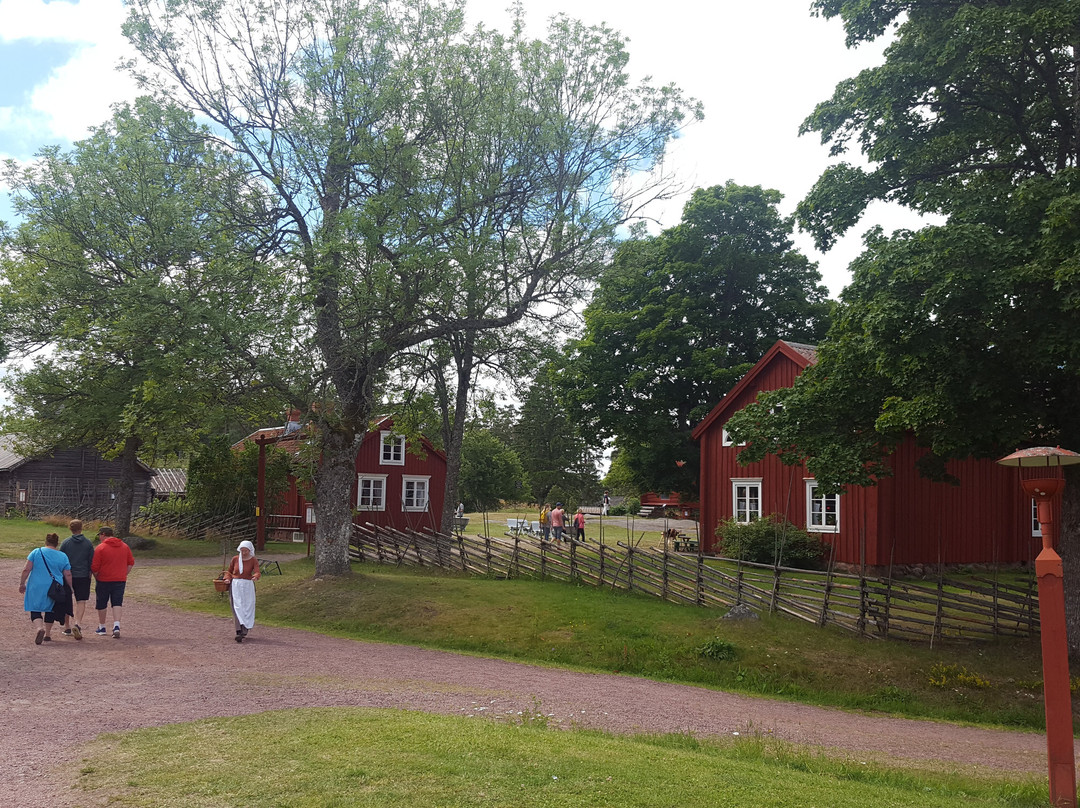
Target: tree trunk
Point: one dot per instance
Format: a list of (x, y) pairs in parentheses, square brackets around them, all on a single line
[(1068, 546), (125, 496), (333, 496), (463, 360)]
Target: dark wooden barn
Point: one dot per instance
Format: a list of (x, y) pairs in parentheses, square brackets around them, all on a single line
[(905, 519), (73, 481)]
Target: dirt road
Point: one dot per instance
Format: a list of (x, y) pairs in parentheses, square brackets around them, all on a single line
[(172, 666)]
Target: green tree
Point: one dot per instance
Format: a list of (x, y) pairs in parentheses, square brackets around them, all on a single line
[(679, 318), (433, 180), (490, 472), (553, 451), (963, 333), (129, 290)]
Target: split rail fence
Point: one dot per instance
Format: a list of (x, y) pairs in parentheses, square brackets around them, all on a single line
[(973, 608)]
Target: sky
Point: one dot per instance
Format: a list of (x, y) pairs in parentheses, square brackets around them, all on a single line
[(759, 68)]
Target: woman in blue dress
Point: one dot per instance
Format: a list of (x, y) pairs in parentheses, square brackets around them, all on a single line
[(43, 566)]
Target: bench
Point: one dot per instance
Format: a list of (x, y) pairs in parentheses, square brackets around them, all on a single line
[(687, 544)]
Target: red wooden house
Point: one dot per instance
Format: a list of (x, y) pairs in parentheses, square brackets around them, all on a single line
[(396, 485), (904, 519)]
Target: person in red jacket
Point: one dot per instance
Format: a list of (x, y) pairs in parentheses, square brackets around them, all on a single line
[(112, 563)]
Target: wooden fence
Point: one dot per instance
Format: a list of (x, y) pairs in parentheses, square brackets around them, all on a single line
[(228, 528), (975, 608)]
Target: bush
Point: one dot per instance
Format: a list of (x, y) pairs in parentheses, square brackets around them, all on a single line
[(772, 540), (719, 649)]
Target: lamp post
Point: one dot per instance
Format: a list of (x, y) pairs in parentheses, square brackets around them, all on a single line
[(1056, 696)]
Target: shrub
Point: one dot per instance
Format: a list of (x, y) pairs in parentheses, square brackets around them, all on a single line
[(772, 540), (719, 649)]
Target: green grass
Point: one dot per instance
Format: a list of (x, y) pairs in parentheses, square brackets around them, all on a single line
[(586, 628), (357, 757), (18, 536)]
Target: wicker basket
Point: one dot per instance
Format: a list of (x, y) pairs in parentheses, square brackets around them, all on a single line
[(221, 585)]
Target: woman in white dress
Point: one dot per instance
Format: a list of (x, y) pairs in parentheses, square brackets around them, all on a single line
[(242, 573)]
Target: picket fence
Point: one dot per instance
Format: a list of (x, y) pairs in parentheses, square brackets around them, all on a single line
[(945, 609)]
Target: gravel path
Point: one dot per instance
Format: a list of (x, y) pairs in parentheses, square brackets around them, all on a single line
[(173, 666)]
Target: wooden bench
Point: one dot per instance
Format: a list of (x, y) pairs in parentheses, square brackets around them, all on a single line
[(687, 544)]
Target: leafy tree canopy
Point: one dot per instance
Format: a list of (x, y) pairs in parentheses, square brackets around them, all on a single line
[(490, 472), (676, 321), (431, 179)]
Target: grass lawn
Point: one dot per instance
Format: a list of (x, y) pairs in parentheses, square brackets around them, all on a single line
[(355, 757), (613, 529)]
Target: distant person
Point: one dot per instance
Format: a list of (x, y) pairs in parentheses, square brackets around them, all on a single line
[(242, 573), (460, 512), (579, 525), (545, 521), (558, 521), (80, 552), (605, 504), (43, 566), (111, 566)]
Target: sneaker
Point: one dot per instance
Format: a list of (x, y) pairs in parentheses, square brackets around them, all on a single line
[(100, 631), (47, 638), (39, 637), (116, 632), (67, 632), (239, 637), (76, 632)]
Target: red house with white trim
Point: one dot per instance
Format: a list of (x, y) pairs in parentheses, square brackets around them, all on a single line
[(904, 519), (398, 484)]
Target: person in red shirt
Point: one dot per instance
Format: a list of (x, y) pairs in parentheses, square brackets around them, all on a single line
[(112, 563), (579, 525)]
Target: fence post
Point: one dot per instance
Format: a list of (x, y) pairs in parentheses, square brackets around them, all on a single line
[(573, 560), (699, 584), (601, 564), (487, 552), (738, 581), (862, 600), (629, 569), (825, 600), (940, 606), (664, 573), (775, 589), (543, 560)]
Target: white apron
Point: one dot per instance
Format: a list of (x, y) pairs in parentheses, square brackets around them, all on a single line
[(243, 601)]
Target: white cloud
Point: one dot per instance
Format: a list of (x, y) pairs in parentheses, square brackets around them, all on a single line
[(79, 93)]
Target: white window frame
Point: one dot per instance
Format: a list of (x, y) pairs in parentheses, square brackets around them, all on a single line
[(371, 505), (309, 517), (822, 513), (414, 479), (726, 440), (1036, 526), (748, 482), (391, 449)]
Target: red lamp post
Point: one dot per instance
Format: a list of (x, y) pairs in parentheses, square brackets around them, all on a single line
[(1056, 695)]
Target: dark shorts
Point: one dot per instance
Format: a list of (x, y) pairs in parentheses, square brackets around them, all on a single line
[(50, 617), (81, 588), (110, 591)]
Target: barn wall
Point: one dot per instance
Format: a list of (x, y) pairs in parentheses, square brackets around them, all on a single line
[(72, 477), (719, 464), (432, 465), (984, 519)]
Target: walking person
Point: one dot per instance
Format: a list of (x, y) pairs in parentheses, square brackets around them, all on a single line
[(80, 552), (606, 504), (558, 521), (111, 566), (579, 525), (242, 573), (43, 566), (545, 521)]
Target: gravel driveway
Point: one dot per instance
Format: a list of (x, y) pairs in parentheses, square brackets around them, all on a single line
[(173, 666)]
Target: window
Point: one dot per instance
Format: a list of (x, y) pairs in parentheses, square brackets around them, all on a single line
[(371, 493), (822, 512), (726, 440), (393, 449), (1036, 528), (746, 499), (414, 493), (310, 516)]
